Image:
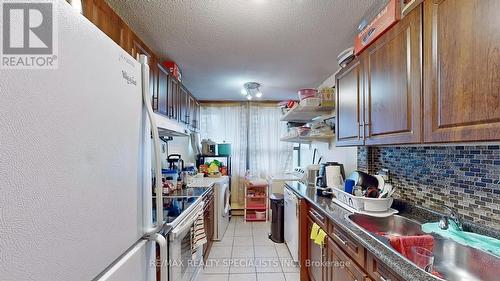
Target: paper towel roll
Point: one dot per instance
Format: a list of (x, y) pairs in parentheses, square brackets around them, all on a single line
[(333, 176)]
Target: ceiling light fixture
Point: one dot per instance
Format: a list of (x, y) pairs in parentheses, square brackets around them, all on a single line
[(251, 89)]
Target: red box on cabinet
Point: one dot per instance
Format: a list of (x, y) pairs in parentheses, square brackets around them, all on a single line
[(174, 69), (386, 18)]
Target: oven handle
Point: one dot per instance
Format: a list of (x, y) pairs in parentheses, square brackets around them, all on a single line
[(188, 221), (162, 242)]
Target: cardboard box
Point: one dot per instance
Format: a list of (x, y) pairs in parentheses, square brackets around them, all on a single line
[(384, 20), (174, 69)]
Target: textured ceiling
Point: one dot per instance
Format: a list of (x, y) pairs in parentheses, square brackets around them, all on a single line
[(220, 44)]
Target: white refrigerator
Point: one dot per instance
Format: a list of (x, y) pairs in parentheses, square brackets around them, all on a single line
[(75, 164)]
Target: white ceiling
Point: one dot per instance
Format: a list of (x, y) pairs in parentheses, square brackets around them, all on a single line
[(221, 44)]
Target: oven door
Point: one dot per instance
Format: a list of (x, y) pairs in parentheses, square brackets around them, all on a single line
[(183, 264)]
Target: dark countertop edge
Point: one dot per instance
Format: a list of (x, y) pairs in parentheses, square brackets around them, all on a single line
[(395, 262)]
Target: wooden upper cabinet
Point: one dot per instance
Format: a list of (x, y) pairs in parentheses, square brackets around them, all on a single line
[(183, 105), (163, 91), (350, 83), (461, 70), (173, 98), (192, 118), (393, 84)]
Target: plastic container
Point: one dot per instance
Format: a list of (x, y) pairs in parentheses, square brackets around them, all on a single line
[(360, 203), (310, 102), (170, 175), (260, 215), (307, 93), (224, 149)]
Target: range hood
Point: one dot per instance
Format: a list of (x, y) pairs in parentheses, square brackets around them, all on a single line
[(170, 128)]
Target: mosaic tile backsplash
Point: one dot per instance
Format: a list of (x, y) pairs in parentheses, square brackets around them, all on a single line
[(466, 178)]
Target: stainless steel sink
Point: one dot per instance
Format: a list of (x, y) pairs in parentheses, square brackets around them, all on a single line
[(454, 261)]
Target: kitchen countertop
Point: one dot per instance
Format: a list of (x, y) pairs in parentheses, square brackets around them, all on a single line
[(338, 215), (191, 191)]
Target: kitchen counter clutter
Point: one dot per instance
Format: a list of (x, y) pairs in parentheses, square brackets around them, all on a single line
[(369, 256)]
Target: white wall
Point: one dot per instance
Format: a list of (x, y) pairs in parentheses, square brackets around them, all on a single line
[(330, 153), (344, 155), (179, 145)]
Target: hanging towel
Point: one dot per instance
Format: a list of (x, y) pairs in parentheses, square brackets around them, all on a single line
[(198, 236), (403, 244), (314, 231), (320, 238)]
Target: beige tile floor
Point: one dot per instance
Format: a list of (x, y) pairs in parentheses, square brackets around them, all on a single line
[(246, 254)]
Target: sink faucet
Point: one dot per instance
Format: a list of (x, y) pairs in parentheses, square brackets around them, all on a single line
[(454, 216)]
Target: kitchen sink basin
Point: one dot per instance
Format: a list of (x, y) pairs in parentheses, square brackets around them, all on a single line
[(452, 260)]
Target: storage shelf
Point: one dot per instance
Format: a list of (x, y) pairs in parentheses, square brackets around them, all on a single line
[(306, 114), (307, 139), (256, 203), (256, 207), (257, 197), (253, 217)]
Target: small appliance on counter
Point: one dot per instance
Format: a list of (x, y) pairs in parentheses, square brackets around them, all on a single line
[(331, 174), (175, 162), (312, 172), (208, 147)]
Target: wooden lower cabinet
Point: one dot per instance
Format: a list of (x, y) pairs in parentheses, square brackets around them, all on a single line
[(209, 214), (315, 257), (341, 258), (340, 267), (378, 271)]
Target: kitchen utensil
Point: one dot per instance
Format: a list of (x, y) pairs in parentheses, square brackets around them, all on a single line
[(311, 173), (175, 162), (349, 185), (387, 191), (390, 192), (422, 257), (208, 147), (334, 176), (329, 175), (363, 180), (224, 149), (372, 192), (381, 182)]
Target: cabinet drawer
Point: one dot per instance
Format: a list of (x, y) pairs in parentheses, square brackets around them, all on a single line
[(318, 217), (378, 271), (348, 244), (349, 271)]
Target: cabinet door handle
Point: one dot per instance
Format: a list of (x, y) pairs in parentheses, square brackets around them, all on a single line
[(344, 242), (383, 279)]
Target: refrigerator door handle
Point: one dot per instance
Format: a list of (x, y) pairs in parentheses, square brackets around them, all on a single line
[(156, 143), (162, 242)]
